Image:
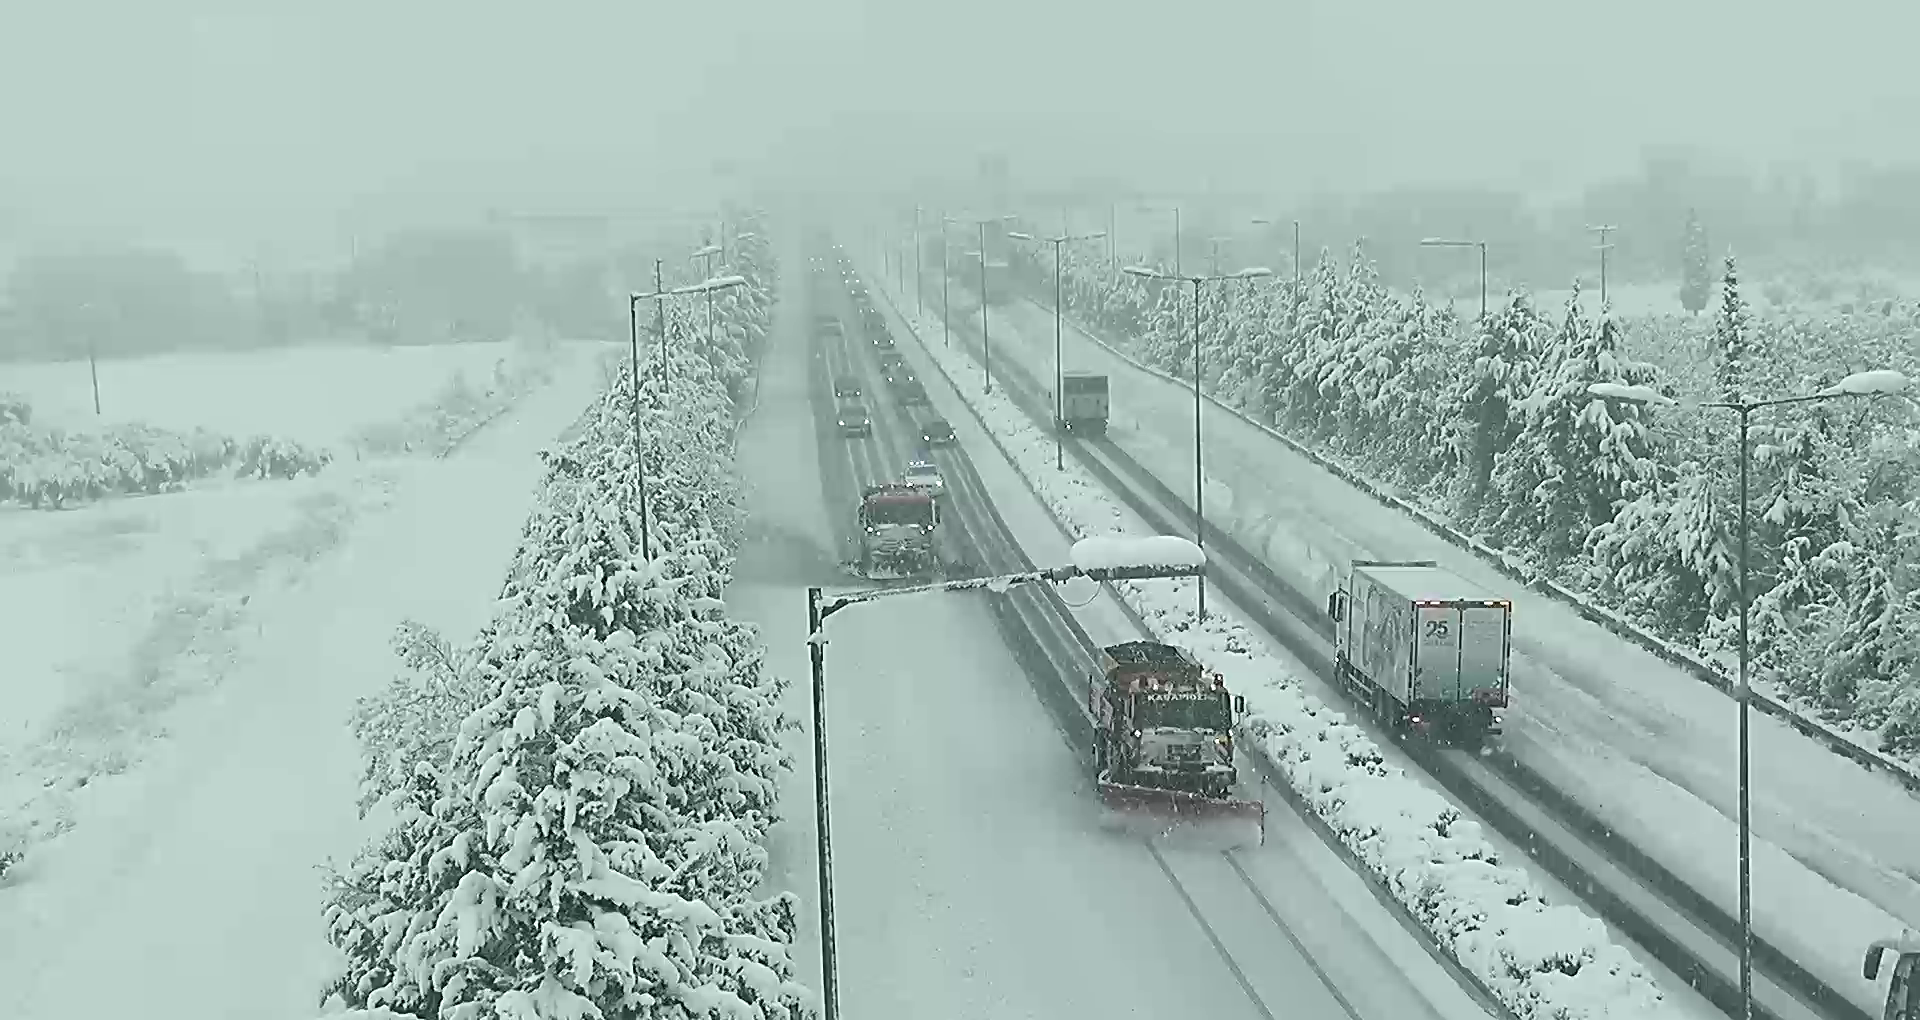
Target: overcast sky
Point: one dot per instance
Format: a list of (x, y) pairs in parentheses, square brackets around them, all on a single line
[(244, 118)]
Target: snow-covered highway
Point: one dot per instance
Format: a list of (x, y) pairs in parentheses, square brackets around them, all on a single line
[(971, 866), (1642, 746)]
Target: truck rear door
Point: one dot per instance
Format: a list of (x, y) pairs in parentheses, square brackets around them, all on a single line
[(1483, 647), (1461, 648), (1436, 651)]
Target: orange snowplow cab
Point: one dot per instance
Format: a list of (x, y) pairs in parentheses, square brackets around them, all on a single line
[(1164, 736)]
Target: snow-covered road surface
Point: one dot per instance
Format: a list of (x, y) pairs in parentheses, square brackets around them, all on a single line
[(193, 890), (973, 875), (1643, 745)]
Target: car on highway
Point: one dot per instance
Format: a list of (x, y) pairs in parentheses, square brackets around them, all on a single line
[(846, 386), (891, 361), (854, 419), (925, 475), (937, 432), (881, 338)]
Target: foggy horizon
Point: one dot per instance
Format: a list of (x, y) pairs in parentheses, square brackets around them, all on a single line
[(244, 124)]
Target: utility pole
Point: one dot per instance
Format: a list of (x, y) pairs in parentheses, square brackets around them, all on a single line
[(919, 307), (1113, 255), (1603, 247), (1296, 259)]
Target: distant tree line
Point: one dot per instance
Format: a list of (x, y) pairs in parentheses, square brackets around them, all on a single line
[(412, 287), (1780, 221)]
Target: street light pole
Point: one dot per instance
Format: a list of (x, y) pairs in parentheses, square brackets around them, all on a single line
[(1199, 477), (659, 297), (1871, 383), (1059, 423), (822, 815), (919, 306), (1199, 481), (660, 324), (946, 280), (986, 345)]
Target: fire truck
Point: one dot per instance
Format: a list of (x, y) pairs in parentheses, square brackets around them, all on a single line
[(897, 522), (1163, 735)]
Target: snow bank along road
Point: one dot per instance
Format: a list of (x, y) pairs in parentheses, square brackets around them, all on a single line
[(1668, 919), (1648, 748), (195, 892), (971, 868)]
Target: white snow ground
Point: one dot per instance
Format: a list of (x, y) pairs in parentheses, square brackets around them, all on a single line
[(116, 610), (1646, 747), (972, 875), (191, 889), (313, 394)]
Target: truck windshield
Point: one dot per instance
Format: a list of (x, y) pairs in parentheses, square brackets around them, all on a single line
[(1184, 710), (899, 512)]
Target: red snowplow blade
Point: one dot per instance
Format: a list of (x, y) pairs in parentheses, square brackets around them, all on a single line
[(1164, 813)]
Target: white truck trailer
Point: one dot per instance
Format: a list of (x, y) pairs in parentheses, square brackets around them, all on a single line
[(1083, 403), (1423, 649)]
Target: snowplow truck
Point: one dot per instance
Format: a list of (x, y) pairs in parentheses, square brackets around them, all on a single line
[(1423, 649), (1163, 736), (897, 522)]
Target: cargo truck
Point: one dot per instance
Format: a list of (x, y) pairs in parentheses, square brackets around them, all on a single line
[(1083, 403), (1423, 649)]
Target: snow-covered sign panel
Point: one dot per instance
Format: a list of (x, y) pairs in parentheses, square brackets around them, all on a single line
[(1108, 552)]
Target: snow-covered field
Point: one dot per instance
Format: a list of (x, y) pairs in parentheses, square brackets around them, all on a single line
[(116, 611), (1829, 942), (193, 875), (316, 395)]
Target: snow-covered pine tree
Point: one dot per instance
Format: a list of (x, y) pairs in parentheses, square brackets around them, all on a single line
[(1660, 557), (1277, 350), (1427, 355), (1505, 354), (1731, 338), (1304, 406), (1526, 474), (1696, 266), (551, 900), (1240, 347), (1579, 459), (1346, 387), (414, 719)]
